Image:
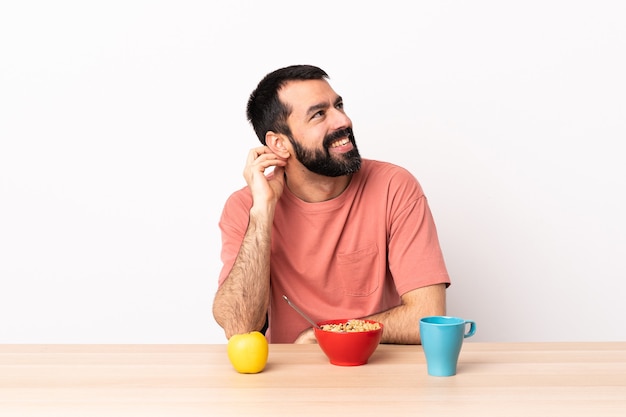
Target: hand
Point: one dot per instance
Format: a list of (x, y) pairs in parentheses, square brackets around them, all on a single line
[(264, 190), (306, 337)]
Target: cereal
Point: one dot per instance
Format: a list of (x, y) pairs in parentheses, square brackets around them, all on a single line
[(353, 325)]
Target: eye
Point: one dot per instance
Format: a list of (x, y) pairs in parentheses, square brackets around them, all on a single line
[(318, 114)]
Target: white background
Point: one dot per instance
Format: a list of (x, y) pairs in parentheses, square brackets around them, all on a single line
[(122, 127)]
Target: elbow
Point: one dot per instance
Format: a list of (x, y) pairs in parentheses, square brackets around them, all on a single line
[(219, 315), (233, 320)]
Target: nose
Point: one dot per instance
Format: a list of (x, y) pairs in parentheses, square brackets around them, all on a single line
[(340, 119)]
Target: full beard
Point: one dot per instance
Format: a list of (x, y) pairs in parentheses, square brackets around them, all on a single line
[(322, 162)]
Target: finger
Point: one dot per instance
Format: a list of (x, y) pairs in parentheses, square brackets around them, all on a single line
[(261, 150), (265, 161), (254, 153)]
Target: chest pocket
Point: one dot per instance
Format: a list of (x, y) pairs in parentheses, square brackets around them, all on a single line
[(358, 271)]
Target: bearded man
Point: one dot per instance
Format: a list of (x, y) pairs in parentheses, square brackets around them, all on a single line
[(341, 236)]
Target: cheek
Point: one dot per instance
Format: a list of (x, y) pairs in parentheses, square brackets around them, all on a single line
[(304, 140)]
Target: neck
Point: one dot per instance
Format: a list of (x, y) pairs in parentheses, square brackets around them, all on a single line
[(314, 188)]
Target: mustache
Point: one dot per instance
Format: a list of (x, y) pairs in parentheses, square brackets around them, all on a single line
[(341, 133)]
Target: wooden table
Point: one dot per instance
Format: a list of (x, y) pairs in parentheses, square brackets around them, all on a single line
[(494, 379)]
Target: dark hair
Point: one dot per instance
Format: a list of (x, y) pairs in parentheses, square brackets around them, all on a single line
[(265, 111)]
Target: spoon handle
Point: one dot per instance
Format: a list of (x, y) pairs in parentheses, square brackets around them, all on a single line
[(295, 307)]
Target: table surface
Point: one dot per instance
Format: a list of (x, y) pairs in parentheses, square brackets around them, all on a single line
[(493, 379)]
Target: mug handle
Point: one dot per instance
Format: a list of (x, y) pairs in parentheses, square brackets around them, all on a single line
[(472, 328)]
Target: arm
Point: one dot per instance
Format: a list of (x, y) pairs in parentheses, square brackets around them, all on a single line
[(401, 323), (242, 300)]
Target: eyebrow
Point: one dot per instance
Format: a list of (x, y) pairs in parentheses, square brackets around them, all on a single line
[(321, 106)]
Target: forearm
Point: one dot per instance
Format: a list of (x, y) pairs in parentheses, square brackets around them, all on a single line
[(241, 302), (401, 323)]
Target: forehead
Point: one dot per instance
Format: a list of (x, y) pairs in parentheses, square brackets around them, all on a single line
[(301, 95)]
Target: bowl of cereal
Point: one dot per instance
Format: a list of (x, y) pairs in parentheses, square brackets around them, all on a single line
[(348, 342)]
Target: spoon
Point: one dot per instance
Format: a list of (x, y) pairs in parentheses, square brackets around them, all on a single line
[(295, 307)]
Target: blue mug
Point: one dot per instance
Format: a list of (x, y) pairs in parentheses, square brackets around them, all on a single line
[(442, 338)]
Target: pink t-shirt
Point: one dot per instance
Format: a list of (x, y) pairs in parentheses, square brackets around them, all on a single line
[(344, 258)]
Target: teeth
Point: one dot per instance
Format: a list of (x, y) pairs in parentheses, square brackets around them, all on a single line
[(340, 143)]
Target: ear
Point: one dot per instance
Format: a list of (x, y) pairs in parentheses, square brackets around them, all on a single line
[(278, 143)]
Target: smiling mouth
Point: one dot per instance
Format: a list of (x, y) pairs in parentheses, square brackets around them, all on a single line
[(340, 142)]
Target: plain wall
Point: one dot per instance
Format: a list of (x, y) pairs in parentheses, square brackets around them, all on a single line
[(123, 131)]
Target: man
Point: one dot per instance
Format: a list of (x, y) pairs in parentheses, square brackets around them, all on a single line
[(340, 236)]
